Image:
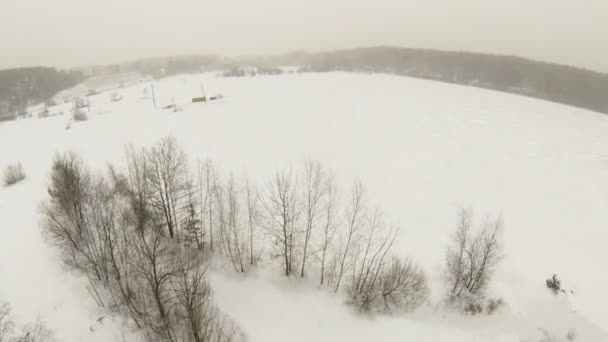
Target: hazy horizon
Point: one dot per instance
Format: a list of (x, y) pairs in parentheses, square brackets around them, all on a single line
[(72, 33)]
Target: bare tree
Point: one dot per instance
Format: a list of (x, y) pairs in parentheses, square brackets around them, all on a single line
[(472, 256), (232, 228), (488, 254), (329, 226), (379, 243), (167, 167), (207, 181), (193, 295), (154, 263), (280, 203), (65, 221), (455, 268), (369, 261), (312, 194), (219, 194), (137, 188), (237, 227), (253, 217), (85, 219), (198, 315), (103, 230), (355, 216)]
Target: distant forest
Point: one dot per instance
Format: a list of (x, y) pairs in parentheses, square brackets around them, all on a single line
[(553, 82), (20, 88)]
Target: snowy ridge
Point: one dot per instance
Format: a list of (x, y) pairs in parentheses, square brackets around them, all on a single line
[(423, 149)]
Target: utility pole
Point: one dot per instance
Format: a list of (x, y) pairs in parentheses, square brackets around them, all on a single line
[(203, 90)]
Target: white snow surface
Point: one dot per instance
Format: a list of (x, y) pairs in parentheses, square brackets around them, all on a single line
[(423, 149)]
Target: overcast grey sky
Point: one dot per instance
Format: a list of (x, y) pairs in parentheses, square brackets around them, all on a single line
[(68, 33)]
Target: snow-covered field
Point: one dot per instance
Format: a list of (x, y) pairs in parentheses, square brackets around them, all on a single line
[(423, 149)]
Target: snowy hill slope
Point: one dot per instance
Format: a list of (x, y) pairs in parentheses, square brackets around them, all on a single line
[(423, 149)]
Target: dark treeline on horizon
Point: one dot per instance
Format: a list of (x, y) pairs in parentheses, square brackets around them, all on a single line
[(22, 87), (558, 83), (553, 82)]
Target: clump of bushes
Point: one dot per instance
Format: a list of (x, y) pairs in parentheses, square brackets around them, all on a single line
[(554, 284), (13, 174), (397, 286), (112, 230), (80, 115), (403, 285), (476, 305), (471, 260)]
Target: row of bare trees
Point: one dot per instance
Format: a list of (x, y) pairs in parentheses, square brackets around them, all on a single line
[(134, 229), (298, 216)]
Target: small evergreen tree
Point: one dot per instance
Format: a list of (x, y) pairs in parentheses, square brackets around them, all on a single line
[(554, 284), (193, 234)]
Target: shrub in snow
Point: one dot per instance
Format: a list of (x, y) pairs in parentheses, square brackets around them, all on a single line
[(476, 305), (13, 174), (493, 305), (571, 335), (554, 284), (397, 286), (80, 115), (376, 282), (403, 286), (471, 259), (471, 305)]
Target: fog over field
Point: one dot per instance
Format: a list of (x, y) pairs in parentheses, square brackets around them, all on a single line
[(68, 33), (235, 171)]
